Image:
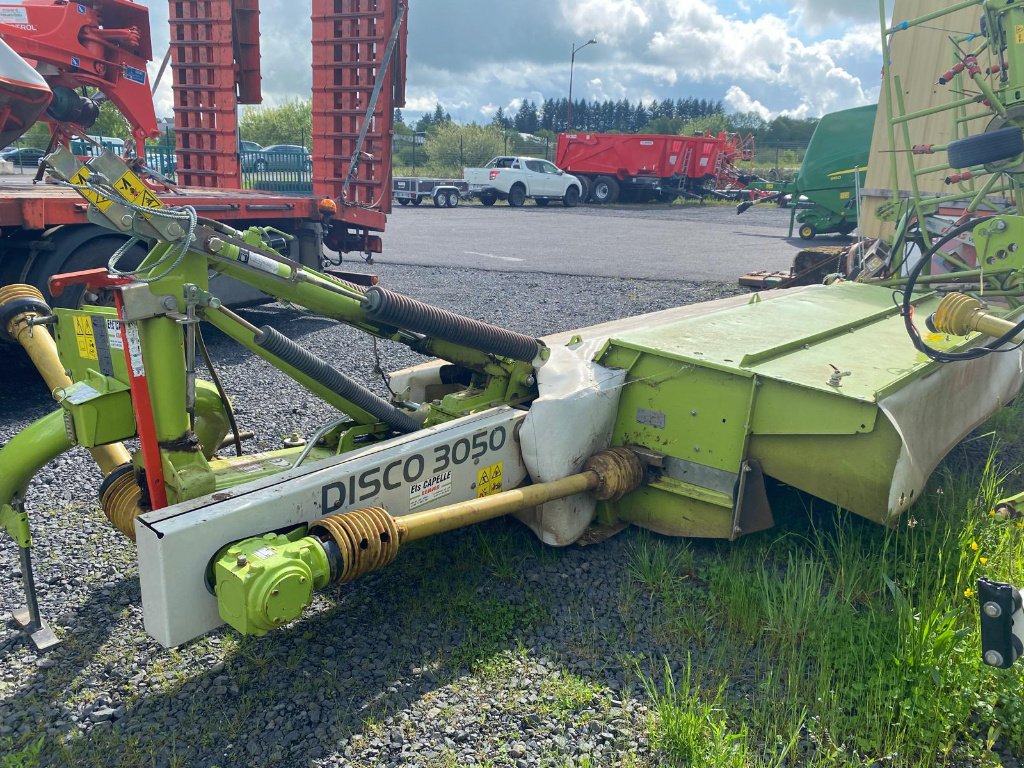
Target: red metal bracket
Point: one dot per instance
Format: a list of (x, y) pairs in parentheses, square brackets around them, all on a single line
[(92, 278)]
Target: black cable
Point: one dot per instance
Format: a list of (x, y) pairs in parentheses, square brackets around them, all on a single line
[(908, 310), (220, 390)]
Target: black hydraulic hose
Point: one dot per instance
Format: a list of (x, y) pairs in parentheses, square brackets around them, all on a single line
[(305, 361), (400, 311), (236, 436), (908, 310)]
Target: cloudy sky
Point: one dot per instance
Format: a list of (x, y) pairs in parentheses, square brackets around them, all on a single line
[(803, 57)]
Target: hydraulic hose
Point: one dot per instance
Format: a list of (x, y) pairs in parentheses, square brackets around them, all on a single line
[(309, 364), (386, 306)]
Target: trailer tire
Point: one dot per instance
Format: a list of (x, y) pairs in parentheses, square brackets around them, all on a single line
[(488, 199), (572, 197), (986, 148), (440, 200), (453, 199), (542, 202), (807, 231), (605, 190), (517, 196), (403, 201), (417, 200)]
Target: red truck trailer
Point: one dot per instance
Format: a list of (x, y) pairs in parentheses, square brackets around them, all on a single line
[(615, 166)]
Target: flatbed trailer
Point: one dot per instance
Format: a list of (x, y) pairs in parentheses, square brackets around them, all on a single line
[(45, 230), (445, 193)]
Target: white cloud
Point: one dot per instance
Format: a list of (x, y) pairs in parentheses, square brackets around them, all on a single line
[(738, 100)]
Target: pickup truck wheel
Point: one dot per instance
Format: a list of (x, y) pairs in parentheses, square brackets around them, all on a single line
[(416, 200), (517, 196), (572, 197), (542, 202), (488, 199), (585, 192), (605, 190)]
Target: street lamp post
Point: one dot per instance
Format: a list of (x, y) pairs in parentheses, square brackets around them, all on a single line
[(572, 63)]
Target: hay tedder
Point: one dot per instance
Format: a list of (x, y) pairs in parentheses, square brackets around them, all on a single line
[(671, 421)]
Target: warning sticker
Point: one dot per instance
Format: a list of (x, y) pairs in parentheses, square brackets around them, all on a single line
[(264, 553), (131, 330), (132, 188), (844, 195), (80, 179), (85, 338), (1018, 31), (488, 480), (114, 334), (436, 487)]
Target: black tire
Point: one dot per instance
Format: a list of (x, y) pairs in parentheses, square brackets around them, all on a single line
[(572, 197), (986, 148), (807, 231), (453, 199), (605, 190), (260, 165), (542, 202), (417, 200), (488, 199), (517, 196), (91, 254), (403, 201), (585, 191), (440, 200)]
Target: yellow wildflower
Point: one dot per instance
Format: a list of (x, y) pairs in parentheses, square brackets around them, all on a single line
[(974, 546), (968, 593), (983, 560)]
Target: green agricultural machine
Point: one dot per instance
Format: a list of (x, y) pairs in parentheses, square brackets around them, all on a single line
[(852, 391), (823, 196)]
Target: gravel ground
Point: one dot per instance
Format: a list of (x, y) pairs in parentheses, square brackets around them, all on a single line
[(479, 647)]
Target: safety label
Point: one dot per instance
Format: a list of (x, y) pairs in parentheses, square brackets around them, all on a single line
[(84, 338), (135, 75), (13, 15), (79, 180), (114, 334), (488, 480), (264, 553), (131, 330), (435, 487), (1019, 34), (132, 188)]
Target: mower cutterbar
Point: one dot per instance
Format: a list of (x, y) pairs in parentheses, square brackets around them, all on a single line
[(816, 387)]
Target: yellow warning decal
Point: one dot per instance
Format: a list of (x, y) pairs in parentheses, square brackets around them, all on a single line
[(80, 179), (1019, 33), (132, 188), (84, 337), (844, 195), (488, 480)]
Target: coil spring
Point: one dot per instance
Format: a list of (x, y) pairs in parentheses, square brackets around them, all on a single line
[(120, 502), (367, 539), (403, 312), (619, 470)]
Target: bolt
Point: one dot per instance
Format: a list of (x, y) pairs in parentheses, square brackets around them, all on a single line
[(994, 658), (215, 245), (241, 561), (992, 610), (696, 449), (999, 225), (693, 413), (169, 303), (126, 220), (174, 229)]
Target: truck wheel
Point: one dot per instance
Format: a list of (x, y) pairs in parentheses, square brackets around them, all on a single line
[(403, 201), (89, 255), (542, 202), (517, 196), (572, 197), (585, 188), (417, 200), (453, 199), (807, 231), (986, 148), (488, 199), (605, 190)]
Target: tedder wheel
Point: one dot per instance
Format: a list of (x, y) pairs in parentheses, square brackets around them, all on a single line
[(542, 202), (417, 200), (453, 199), (605, 190), (488, 199), (572, 197), (986, 148), (517, 196), (403, 201), (807, 231)]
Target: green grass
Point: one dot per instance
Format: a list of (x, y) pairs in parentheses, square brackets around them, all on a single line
[(860, 644)]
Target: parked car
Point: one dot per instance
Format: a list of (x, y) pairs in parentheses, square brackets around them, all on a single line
[(517, 178), (248, 153), (282, 157), (26, 157)]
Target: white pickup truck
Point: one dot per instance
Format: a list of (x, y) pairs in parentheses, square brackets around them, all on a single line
[(517, 178)]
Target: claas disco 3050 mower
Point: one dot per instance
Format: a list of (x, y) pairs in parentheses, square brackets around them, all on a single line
[(671, 421)]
